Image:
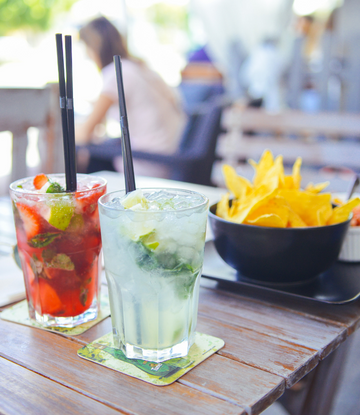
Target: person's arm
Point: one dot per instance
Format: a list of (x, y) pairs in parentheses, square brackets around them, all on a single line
[(84, 132)]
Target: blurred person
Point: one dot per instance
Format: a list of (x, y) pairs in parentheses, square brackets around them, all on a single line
[(200, 79), (155, 116), (261, 75)]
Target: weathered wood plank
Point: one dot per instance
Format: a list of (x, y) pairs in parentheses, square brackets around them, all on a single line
[(347, 315), (264, 352), (272, 320), (95, 332), (252, 388), (292, 121), (269, 353), (55, 357), (25, 392)]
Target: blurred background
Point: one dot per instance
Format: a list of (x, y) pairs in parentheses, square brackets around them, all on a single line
[(296, 61), (273, 54)]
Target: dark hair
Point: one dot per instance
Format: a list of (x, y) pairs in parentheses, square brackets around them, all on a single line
[(104, 39)]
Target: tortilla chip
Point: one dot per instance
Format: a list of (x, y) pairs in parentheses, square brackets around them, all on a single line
[(222, 208), (238, 186), (270, 221), (257, 198), (274, 178), (276, 206), (265, 163), (274, 199), (296, 173), (341, 213), (306, 205), (316, 188), (295, 221)]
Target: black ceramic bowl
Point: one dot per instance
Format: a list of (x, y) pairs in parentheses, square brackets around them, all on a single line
[(277, 255)]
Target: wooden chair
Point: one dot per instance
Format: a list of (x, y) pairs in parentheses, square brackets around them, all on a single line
[(292, 133), (194, 159), (21, 108)]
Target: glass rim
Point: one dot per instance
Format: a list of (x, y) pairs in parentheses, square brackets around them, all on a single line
[(31, 192), (205, 201)]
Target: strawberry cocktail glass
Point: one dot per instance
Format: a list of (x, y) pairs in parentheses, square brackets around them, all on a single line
[(59, 241)]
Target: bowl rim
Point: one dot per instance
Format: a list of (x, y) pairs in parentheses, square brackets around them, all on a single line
[(305, 229)]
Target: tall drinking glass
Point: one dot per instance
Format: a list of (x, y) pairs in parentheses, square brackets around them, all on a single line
[(153, 242), (59, 243)]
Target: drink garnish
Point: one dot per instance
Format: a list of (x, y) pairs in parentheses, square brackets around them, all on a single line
[(61, 214), (32, 221), (61, 261), (55, 188), (135, 200), (40, 180), (43, 183), (43, 239)]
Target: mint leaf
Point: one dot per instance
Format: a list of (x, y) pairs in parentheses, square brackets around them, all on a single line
[(168, 265), (83, 296), (61, 261), (48, 254), (55, 188), (43, 239)]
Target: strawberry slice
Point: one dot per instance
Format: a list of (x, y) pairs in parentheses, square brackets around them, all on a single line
[(87, 201), (32, 221), (49, 300), (40, 180)]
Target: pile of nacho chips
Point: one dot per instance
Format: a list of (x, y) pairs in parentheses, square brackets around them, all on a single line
[(276, 200)]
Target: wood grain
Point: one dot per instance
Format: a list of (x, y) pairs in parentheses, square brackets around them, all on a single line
[(25, 392), (272, 320), (250, 388), (267, 353), (55, 357), (347, 314)]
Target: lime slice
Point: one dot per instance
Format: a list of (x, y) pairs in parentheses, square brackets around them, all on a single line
[(135, 198), (76, 223), (149, 240), (60, 215)]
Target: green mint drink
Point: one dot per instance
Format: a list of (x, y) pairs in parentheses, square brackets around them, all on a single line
[(153, 242)]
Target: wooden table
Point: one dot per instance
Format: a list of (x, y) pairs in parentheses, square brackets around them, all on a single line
[(271, 342)]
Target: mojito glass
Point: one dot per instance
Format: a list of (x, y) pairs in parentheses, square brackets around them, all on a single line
[(59, 242), (153, 244)]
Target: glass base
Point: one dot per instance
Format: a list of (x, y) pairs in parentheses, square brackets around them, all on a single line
[(50, 321), (156, 355)]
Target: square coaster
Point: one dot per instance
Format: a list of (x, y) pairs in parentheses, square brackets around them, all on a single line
[(19, 313), (103, 352)]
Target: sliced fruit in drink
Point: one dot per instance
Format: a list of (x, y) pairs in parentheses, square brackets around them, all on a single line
[(40, 180), (32, 221), (135, 198), (49, 300), (60, 214), (149, 240)]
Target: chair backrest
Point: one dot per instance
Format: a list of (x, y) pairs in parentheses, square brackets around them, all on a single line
[(198, 145), (21, 108)]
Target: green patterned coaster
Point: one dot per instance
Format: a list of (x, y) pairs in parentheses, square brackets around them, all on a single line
[(19, 314), (101, 351)]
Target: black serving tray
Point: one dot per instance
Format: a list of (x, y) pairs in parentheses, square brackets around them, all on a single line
[(339, 285)]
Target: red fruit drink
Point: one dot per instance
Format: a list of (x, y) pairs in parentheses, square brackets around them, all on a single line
[(59, 243)]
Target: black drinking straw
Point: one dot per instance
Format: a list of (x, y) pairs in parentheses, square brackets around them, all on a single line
[(70, 166), (125, 141), (71, 180)]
